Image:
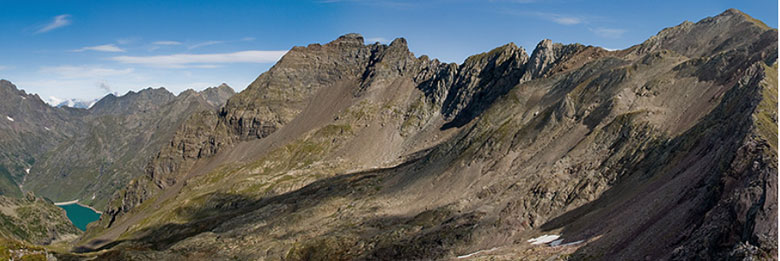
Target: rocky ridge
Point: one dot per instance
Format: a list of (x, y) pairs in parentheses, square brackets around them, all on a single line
[(353, 151)]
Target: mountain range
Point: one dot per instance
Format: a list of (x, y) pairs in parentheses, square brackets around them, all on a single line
[(346, 150), (65, 153)]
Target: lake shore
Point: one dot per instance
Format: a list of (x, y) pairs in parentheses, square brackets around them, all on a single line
[(77, 202)]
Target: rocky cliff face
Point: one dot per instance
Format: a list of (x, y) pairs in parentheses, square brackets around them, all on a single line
[(665, 150)]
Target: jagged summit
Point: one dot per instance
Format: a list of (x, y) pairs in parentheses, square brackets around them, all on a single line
[(348, 39)]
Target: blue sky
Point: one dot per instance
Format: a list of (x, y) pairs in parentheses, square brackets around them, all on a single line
[(85, 49)]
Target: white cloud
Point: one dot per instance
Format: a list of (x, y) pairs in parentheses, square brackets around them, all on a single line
[(566, 20), (166, 43), (2, 67), (202, 60), (57, 22), (561, 19), (101, 48), (376, 39), (84, 72), (203, 44), (608, 32)]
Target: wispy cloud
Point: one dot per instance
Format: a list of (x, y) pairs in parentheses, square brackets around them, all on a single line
[(565, 20), (203, 44), (101, 48), (166, 43), (202, 60), (105, 87), (57, 22), (2, 67), (401, 4), (247, 39), (81, 72), (562, 19), (376, 39), (608, 32)]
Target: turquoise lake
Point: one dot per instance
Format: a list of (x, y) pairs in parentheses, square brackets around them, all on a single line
[(80, 216)]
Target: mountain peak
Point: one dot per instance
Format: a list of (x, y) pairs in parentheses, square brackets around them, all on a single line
[(500, 53), (350, 38), (133, 102), (217, 96), (728, 30), (400, 41), (736, 13), (7, 85)]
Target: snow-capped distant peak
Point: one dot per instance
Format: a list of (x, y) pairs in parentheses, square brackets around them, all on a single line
[(73, 103), (53, 101)]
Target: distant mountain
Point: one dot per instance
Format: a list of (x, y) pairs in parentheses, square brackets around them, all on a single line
[(66, 153), (342, 151), (28, 128), (74, 103), (118, 136)]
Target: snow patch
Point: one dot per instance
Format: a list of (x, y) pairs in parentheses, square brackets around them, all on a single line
[(543, 239), (47, 128), (559, 242), (9, 118), (573, 243), (27, 170)]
